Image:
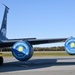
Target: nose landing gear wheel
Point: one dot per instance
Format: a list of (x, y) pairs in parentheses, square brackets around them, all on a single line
[(1, 60)]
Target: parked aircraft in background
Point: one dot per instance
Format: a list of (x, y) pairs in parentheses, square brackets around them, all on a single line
[(22, 48)]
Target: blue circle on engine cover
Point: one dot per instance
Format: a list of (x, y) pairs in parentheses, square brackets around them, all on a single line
[(70, 45), (20, 50)]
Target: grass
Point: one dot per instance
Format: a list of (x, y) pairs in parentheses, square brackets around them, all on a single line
[(0, 54), (41, 53), (50, 54), (7, 55)]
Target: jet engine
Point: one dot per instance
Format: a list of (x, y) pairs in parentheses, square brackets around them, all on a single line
[(22, 50), (70, 46)]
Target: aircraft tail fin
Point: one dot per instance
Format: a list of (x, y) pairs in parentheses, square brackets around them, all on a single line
[(4, 22)]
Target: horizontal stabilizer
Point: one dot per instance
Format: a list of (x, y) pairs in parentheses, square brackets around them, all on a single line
[(5, 6)]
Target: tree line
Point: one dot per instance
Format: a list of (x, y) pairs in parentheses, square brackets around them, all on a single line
[(60, 48)]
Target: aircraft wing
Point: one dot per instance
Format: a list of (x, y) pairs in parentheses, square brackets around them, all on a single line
[(22, 39), (9, 43), (43, 41)]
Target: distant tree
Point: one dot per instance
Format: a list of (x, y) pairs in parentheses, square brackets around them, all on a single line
[(41, 49)]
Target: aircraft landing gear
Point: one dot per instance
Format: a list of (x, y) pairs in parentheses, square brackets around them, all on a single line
[(1, 60)]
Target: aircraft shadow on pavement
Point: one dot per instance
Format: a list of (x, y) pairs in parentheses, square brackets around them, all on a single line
[(33, 64)]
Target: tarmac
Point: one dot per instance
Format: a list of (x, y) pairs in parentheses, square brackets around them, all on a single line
[(39, 66)]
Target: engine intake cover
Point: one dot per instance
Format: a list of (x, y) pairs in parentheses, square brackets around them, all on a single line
[(70, 46), (22, 50)]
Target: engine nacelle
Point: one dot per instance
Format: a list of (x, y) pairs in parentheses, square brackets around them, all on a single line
[(70, 46), (22, 50)]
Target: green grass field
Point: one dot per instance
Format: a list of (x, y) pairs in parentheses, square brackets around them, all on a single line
[(41, 53)]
